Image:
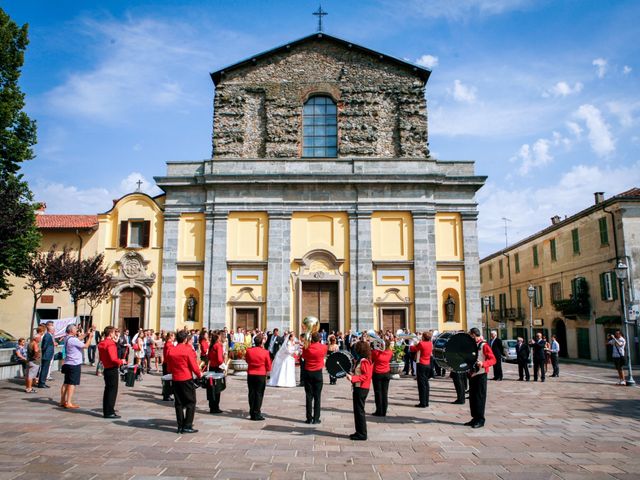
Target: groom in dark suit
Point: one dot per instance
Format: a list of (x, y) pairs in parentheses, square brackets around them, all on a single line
[(498, 351), (274, 342)]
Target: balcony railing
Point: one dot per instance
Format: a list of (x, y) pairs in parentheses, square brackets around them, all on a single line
[(509, 314)]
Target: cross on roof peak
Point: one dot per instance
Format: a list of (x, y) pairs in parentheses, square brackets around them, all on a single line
[(320, 13), (139, 183)]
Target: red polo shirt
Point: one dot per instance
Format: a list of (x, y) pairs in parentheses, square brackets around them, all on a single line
[(108, 352), (425, 349), (381, 359), (366, 371), (168, 346), (182, 363), (314, 357), (259, 361), (216, 356)]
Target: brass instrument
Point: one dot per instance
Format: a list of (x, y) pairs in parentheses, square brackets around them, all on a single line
[(407, 338), (376, 342), (311, 325)]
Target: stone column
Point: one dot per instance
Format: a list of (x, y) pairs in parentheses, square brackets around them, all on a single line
[(218, 283), (279, 271), (425, 288), (471, 270), (361, 271), (208, 271), (169, 271)]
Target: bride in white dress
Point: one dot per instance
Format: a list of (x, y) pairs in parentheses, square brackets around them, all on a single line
[(283, 371)]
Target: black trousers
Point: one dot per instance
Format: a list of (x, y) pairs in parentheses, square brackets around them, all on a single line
[(302, 372), (381, 392), (110, 376), (423, 374), (212, 394), (497, 369), (460, 383), (408, 364), (184, 394), (554, 363), (359, 417), (256, 384), (523, 369), (538, 365), (91, 351), (478, 396), (313, 392), (44, 372), (167, 387)]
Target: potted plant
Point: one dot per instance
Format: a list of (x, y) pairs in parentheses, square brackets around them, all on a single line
[(397, 363), (238, 363)]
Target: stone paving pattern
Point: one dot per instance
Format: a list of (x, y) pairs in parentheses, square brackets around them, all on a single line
[(580, 426)]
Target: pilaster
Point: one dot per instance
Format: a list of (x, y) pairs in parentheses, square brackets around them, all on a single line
[(472, 271), (361, 271), (208, 271), (279, 271), (425, 271), (217, 318), (169, 271)]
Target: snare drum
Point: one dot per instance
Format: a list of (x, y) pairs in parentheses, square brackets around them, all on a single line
[(340, 363)]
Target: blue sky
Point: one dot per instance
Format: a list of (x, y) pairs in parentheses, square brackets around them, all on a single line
[(542, 94)]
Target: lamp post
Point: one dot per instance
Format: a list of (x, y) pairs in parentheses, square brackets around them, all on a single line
[(487, 302), (621, 273), (531, 291)]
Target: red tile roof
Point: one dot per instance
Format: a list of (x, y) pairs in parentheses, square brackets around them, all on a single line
[(634, 192), (55, 222)]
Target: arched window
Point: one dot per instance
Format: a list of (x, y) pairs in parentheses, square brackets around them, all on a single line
[(319, 123)]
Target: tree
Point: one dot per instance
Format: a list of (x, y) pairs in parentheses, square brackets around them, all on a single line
[(46, 272), (19, 237), (100, 294), (85, 278)]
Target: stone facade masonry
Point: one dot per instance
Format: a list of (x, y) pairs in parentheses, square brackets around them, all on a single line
[(381, 107)]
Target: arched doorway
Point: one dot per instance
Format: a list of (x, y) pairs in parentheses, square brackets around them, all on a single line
[(560, 330), (131, 310)]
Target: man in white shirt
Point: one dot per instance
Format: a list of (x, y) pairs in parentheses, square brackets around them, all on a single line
[(238, 337), (555, 354), (618, 344)]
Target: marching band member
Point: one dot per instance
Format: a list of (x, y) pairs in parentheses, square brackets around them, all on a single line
[(168, 346), (182, 364), (361, 381), (478, 380), (108, 354), (259, 362), (423, 368), (313, 364), (216, 364), (381, 377)]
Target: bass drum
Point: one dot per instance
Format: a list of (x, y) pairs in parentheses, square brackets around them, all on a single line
[(455, 351), (340, 363)]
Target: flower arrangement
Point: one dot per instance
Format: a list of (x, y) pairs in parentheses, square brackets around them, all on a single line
[(239, 350), (398, 353)]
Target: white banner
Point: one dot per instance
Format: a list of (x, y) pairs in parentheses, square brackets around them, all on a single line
[(61, 324)]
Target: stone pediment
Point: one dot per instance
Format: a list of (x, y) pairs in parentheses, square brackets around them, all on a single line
[(132, 269)]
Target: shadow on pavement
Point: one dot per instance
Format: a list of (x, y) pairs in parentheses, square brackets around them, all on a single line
[(150, 424), (617, 407), (305, 431)]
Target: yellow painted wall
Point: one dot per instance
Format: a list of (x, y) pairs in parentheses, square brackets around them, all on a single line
[(320, 230), (452, 281), (448, 237), (247, 240), (191, 235), (189, 282)]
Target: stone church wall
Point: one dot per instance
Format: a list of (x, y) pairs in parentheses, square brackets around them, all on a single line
[(381, 106)]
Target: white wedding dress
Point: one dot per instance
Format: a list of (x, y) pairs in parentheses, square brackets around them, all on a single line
[(283, 370)]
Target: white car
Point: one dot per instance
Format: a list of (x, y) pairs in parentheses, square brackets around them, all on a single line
[(510, 350)]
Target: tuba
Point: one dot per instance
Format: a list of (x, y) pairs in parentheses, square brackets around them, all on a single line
[(311, 325), (376, 342)]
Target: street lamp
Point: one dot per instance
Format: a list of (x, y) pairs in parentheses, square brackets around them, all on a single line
[(487, 302), (531, 291), (622, 272)]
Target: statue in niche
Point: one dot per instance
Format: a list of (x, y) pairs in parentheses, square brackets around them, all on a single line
[(191, 308), (450, 308)]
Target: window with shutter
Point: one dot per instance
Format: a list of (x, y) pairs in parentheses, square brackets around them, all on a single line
[(535, 255), (146, 233), (575, 238), (604, 234), (538, 296), (136, 234), (501, 268), (608, 290), (516, 259), (124, 230), (552, 247)]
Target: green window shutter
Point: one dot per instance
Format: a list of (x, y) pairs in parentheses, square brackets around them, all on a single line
[(614, 285), (535, 255), (552, 246), (540, 292), (576, 240), (573, 288), (604, 234), (516, 257), (603, 287)]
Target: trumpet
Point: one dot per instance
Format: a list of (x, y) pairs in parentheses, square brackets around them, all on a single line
[(376, 342), (408, 338)]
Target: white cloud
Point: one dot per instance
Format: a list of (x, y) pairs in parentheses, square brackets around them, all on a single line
[(534, 156), (601, 66), (428, 61), (459, 9), (624, 111), (575, 129), (563, 89), (61, 198), (600, 137), (530, 209), (463, 93), (626, 69)]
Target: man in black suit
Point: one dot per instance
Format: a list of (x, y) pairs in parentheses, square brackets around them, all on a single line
[(47, 349), (498, 351), (522, 356), (274, 342), (539, 359)]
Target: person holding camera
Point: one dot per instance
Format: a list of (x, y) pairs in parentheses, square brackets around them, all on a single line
[(111, 361), (618, 344), (74, 352), (182, 364)]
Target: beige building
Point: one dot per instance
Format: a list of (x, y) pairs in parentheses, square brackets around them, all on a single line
[(571, 265)]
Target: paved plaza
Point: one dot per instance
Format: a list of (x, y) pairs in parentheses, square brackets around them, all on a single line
[(580, 426)]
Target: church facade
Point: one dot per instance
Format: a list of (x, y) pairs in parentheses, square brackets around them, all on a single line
[(321, 198)]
